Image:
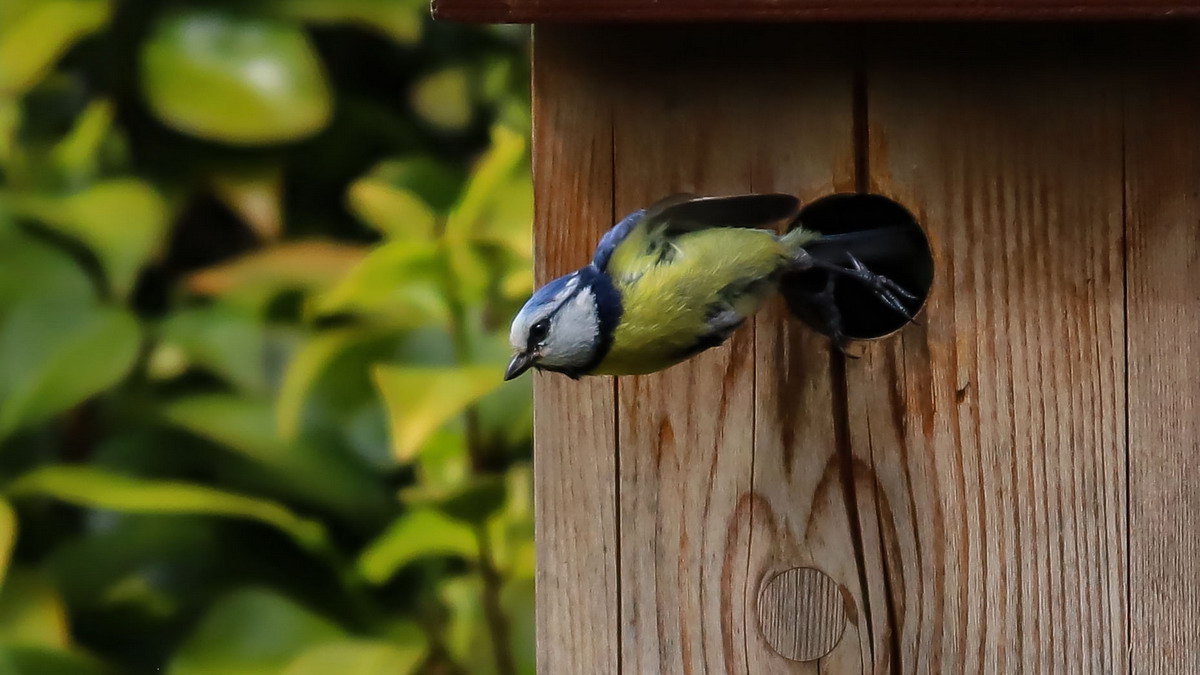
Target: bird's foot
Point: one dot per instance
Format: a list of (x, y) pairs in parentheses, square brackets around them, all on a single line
[(887, 291), (831, 317)]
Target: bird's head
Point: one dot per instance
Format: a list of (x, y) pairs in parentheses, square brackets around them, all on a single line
[(566, 326)]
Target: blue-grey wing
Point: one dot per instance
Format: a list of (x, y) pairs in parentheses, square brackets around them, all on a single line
[(680, 213), (613, 238)]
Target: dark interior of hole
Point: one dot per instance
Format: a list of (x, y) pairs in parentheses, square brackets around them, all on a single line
[(906, 259)]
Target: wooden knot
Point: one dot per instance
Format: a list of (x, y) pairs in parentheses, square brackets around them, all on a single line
[(801, 614)]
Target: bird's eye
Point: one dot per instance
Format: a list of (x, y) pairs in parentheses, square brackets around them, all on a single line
[(539, 330)]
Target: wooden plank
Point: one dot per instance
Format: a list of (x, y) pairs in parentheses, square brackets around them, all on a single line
[(575, 479), (990, 440), (800, 514), (528, 11), (698, 542), (1162, 172), (686, 434)]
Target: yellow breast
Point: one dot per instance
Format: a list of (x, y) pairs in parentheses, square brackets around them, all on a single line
[(667, 306)]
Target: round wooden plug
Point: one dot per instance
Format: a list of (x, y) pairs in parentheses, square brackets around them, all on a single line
[(802, 614)]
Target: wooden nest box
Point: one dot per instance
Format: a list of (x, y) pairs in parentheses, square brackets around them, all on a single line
[(1012, 486)]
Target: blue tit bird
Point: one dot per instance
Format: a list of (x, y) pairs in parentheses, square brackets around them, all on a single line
[(676, 279)]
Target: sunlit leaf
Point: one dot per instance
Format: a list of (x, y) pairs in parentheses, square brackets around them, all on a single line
[(24, 660), (466, 635), (398, 19), (232, 77), (471, 272), (78, 153), (357, 657), (313, 264), (255, 194), (8, 537), (31, 612), (400, 214), (436, 182), (93, 488), (443, 464), (399, 280), (10, 121), (494, 172), (35, 38), (252, 632), (422, 399), (122, 221), (443, 98), (416, 534), (53, 356)]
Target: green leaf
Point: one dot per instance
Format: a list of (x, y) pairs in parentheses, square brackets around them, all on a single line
[(235, 78), (466, 636), (357, 657), (316, 473), (476, 501), (122, 221), (416, 534), (422, 399), (55, 355), (398, 19), (22, 660), (436, 182), (98, 489), (399, 280), (31, 612), (8, 537), (33, 40), (305, 369), (10, 122), (228, 340), (78, 154), (252, 632), (400, 214), (499, 167), (443, 98), (34, 271)]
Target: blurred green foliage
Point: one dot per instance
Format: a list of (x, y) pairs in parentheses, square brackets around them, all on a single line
[(255, 262)]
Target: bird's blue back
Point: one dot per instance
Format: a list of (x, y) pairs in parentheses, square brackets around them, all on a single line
[(613, 238)]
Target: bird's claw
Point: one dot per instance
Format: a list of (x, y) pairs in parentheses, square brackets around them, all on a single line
[(882, 287)]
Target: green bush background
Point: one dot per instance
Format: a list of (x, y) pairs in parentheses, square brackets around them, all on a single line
[(256, 259)]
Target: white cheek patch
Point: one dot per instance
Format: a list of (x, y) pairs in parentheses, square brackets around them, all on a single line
[(574, 333), (518, 335)]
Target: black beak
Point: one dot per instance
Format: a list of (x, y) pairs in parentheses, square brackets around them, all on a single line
[(519, 364)]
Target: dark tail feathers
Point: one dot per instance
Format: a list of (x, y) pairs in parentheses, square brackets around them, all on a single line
[(889, 242)]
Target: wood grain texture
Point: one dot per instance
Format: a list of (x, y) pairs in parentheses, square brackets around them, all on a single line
[(529, 11), (1007, 487), (686, 434), (575, 473), (802, 613), (991, 439), (1162, 177), (799, 511)]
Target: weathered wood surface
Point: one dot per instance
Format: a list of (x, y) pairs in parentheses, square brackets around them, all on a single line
[(973, 485), (528, 11), (1162, 163), (575, 499)]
